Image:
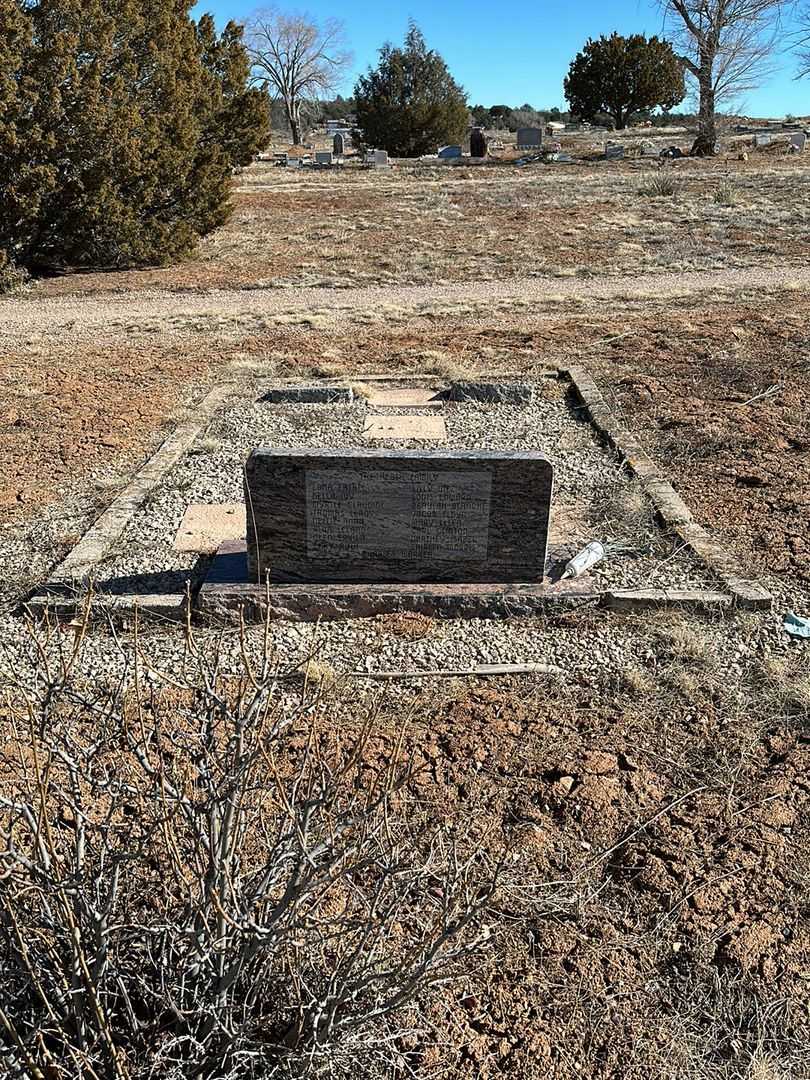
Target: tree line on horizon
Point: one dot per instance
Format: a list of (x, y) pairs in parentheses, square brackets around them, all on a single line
[(122, 121)]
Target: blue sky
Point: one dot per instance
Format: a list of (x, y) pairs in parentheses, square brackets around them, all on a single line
[(515, 53)]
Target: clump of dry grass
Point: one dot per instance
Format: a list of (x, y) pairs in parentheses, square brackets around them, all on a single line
[(727, 194), (682, 641), (662, 185)]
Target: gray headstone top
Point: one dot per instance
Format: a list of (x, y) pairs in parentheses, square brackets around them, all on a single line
[(397, 516), (508, 393), (309, 395)]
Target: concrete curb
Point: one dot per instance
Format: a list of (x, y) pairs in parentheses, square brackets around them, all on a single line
[(101, 536), (671, 508), (165, 607)]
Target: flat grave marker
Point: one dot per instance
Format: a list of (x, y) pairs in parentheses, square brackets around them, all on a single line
[(207, 525), (407, 397), (429, 428)]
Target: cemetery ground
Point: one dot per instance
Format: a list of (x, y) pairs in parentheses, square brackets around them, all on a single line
[(653, 798)]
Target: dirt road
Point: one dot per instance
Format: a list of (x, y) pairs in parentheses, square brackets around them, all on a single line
[(167, 311)]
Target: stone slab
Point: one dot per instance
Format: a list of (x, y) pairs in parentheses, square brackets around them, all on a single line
[(422, 428), (309, 395), (207, 525), (646, 599), (228, 594), (407, 397), (397, 516), (166, 607), (504, 393)]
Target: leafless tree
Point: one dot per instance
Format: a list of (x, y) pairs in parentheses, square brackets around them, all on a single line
[(199, 879), (803, 44), (298, 58), (725, 46)]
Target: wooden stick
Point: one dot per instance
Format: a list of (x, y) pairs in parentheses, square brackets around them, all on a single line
[(765, 393), (445, 673)]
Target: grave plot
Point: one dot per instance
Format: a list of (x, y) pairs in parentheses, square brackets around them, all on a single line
[(465, 500)]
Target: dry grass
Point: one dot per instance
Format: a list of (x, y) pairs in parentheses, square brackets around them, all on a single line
[(429, 226)]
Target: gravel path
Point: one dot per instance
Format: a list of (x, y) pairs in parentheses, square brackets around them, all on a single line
[(76, 317)]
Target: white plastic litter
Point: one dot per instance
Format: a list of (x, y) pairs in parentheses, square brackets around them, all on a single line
[(590, 555)]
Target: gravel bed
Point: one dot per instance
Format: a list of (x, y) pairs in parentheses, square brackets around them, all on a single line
[(596, 649), (593, 495), (594, 498)]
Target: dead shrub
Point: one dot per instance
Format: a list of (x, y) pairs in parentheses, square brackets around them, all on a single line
[(200, 878)]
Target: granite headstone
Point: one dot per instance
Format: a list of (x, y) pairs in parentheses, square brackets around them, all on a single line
[(529, 138), (388, 516)]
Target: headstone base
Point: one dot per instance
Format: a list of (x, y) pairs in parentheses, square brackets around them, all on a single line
[(227, 595)]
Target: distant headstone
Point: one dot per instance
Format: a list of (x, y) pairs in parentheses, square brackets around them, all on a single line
[(478, 143), (402, 516), (762, 140), (798, 141), (614, 151), (323, 157), (529, 138), (339, 144), (293, 162), (449, 152), (378, 159)]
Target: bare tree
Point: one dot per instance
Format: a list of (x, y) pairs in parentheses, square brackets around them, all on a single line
[(724, 45), (298, 58), (803, 44)]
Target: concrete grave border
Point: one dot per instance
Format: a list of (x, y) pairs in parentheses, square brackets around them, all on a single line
[(671, 509), (75, 571), (62, 592)]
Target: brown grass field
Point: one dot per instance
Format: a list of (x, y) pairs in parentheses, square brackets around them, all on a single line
[(686, 953)]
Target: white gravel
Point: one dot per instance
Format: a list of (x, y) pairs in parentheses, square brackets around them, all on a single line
[(593, 646), (594, 497)]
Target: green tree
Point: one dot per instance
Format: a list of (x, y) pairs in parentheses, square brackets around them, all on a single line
[(240, 114), (624, 75), (125, 123), (410, 104)]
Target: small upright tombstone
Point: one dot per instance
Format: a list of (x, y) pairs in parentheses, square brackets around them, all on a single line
[(529, 138), (378, 159), (762, 140), (614, 151), (448, 152), (397, 516), (798, 141), (339, 144), (323, 157), (478, 143)]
